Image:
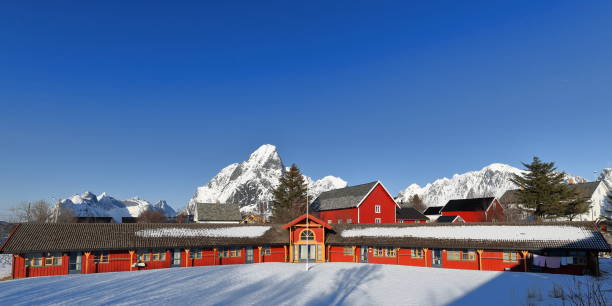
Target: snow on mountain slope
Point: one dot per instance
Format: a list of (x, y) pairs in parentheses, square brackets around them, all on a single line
[(606, 177), (490, 181), (103, 205), (251, 182)]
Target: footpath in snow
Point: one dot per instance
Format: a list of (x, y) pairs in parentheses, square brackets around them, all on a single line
[(290, 284)]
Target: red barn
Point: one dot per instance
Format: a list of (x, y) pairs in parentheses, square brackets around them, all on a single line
[(365, 203), (410, 215), (475, 210)]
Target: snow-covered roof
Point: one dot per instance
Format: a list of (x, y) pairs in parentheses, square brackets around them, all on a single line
[(228, 232), (519, 236)]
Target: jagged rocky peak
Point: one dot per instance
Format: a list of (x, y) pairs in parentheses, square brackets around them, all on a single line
[(606, 177), (89, 205), (250, 183), (490, 181)]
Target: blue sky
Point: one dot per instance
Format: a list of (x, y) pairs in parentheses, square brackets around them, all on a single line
[(152, 99)]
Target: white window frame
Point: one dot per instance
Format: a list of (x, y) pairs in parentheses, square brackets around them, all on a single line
[(377, 220), (349, 221), (339, 221), (377, 209)]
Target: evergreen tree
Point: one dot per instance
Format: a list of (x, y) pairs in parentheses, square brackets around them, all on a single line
[(290, 196), (542, 191), (417, 203)]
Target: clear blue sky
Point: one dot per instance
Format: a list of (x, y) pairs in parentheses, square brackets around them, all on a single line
[(152, 99)]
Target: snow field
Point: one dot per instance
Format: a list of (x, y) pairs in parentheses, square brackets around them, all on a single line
[(289, 284)]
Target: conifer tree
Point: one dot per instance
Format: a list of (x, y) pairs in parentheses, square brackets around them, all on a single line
[(417, 203), (542, 191), (290, 196)]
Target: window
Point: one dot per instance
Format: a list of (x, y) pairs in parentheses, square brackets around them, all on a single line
[(349, 221), (101, 257), (377, 220), (453, 255), (461, 255), (195, 254), (416, 253), (377, 209), (53, 259), (307, 235), (339, 221), (267, 251), (158, 255), (400, 221), (329, 221), (384, 252), (235, 252), (143, 255), (229, 252), (579, 257), (348, 251), (34, 260), (510, 257), (468, 255)]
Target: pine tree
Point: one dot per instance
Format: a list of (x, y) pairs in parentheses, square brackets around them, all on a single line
[(290, 196), (542, 191), (417, 203)]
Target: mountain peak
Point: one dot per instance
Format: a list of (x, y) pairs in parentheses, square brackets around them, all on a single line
[(251, 182), (500, 168)]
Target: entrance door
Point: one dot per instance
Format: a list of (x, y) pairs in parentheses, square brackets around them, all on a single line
[(74, 263), (436, 258), (176, 258), (363, 251), (249, 255), (308, 252)]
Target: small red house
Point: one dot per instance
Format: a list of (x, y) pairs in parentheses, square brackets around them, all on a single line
[(475, 210), (410, 215), (365, 203)]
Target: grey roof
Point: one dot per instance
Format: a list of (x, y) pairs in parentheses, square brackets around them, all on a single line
[(55, 237), (218, 212), (347, 197), (584, 191), (595, 242), (433, 210), (410, 213), (446, 219), (476, 204)]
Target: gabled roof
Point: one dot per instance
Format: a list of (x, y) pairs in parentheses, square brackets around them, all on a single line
[(433, 210), (476, 204), (347, 197), (584, 191), (218, 212), (65, 237), (449, 219), (409, 213), (310, 217)]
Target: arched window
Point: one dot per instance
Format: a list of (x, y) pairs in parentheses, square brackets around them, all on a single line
[(307, 235)]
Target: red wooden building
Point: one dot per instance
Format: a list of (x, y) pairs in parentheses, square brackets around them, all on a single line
[(55, 249), (475, 210), (365, 203), (410, 215)]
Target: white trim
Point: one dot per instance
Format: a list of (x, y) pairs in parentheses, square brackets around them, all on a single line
[(358, 215), (372, 189)]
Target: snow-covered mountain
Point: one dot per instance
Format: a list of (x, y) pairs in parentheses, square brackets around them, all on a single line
[(251, 182), (103, 205), (490, 181), (606, 177)]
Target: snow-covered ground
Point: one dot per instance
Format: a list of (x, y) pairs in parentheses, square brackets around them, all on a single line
[(290, 284)]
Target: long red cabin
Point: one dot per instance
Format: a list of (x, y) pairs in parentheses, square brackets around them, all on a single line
[(57, 249), (475, 210)]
